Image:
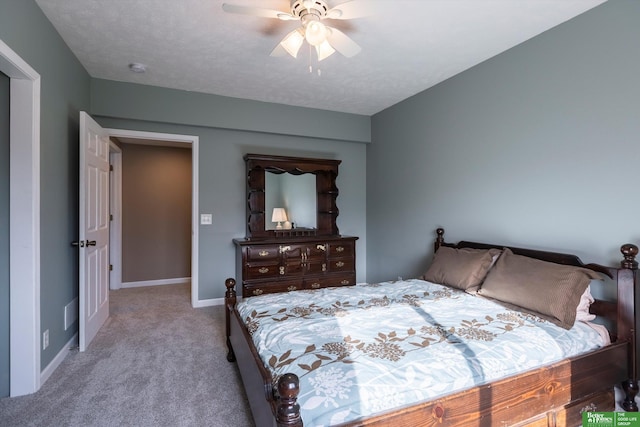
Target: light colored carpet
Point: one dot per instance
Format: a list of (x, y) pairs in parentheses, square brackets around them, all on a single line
[(156, 362)]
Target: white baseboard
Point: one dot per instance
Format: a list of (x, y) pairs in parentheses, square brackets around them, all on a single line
[(53, 365), (158, 282), (208, 302)]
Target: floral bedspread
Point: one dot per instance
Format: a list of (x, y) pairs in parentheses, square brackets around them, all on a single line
[(374, 347)]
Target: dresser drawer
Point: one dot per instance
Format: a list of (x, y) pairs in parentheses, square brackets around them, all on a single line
[(254, 289), (329, 281), (342, 249), (316, 283), (340, 264), (262, 253), (317, 250), (340, 280), (263, 271)]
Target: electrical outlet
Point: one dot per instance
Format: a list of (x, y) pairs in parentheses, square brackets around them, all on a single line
[(45, 339)]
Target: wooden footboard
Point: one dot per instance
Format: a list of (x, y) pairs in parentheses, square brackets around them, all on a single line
[(268, 408), (540, 397), (553, 395), (256, 378)]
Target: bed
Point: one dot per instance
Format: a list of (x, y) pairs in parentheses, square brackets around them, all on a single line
[(428, 351)]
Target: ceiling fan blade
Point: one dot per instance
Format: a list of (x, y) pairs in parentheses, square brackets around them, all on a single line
[(350, 10), (257, 11), (342, 43), (279, 51)]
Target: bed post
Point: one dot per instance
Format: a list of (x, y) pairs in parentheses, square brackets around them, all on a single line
[(288, 410), (229, 303), (439, 240), (627, 280)]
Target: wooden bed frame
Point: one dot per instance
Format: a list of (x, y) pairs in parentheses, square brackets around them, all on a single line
[(554, 395)]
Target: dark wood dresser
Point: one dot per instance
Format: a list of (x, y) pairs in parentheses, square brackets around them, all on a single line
[(280, 265), (279, 259)]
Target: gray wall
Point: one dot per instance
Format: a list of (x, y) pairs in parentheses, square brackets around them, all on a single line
[(222, 186), (199, 109), (4, 235), (538, 146), (156, 212), (65, 89)]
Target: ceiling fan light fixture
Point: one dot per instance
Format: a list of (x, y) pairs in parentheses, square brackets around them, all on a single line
[(315, 33), (292, 42), (310, 13), (324, 50)]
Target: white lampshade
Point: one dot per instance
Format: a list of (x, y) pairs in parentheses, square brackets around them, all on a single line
[(279, 215), (292, 42), (324, 50)]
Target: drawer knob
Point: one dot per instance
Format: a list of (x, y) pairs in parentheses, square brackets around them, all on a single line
[(324, 266), (257, 292), (321, 247), (282, 270), (263, 270), (315, 285), (291, 288), (263, 253), (344, 282), (339, 264), (284, 249), (340, 249)]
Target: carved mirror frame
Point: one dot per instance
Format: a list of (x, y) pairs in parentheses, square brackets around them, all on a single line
[(325, 170)]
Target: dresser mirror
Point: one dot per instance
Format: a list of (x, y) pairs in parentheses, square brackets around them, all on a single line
[(296, 194), (304, 187)]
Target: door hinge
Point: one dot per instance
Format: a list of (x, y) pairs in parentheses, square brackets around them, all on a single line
[(110, 217), (110, 168), (110, 267)]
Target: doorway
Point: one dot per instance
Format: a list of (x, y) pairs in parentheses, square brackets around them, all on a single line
[(157, 140), (156, 214)]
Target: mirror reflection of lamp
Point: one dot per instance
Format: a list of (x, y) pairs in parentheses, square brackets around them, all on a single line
[(279, 216)]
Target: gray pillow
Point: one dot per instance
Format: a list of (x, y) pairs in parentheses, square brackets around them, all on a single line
[(463, 268), (553, 290)]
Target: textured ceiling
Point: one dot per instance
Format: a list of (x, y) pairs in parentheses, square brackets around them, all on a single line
[(407, 46)]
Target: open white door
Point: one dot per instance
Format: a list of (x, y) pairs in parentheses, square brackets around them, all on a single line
[(94, 229)]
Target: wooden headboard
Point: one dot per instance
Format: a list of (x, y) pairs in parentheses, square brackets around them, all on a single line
[(621, 313)]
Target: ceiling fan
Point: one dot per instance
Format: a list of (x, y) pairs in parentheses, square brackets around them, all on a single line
[(311, 13)]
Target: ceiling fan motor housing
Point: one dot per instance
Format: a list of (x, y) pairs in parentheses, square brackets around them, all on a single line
[(302, 8)]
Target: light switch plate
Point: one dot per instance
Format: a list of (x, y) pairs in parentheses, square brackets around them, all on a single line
[(206, 219)]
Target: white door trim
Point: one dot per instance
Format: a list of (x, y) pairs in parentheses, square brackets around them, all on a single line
[(24, 228), (194, 141), (115, 205)]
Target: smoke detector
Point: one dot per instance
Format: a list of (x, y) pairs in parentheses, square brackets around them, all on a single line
[(136, 67)]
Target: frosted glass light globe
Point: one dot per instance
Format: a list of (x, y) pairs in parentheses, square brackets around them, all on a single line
[(315, 33)]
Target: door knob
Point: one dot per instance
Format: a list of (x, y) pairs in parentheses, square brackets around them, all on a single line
[(78, 244), (91, 242)]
